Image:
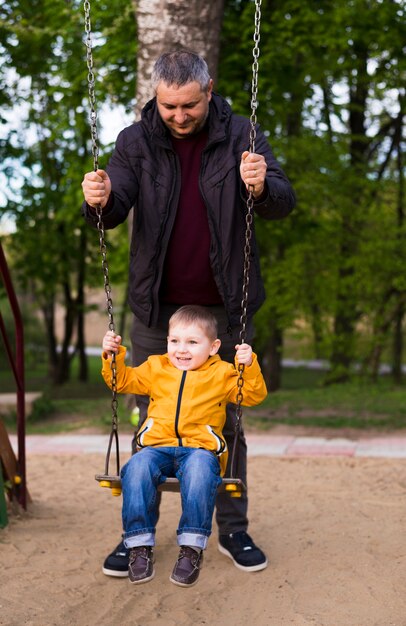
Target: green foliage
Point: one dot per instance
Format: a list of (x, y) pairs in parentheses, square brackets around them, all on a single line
[(48, 149), (331, 100), (331, 92)]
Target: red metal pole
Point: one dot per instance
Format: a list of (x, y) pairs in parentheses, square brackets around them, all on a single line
[(18, 369)]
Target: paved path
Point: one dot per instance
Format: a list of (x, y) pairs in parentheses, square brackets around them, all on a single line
[(258, 445)]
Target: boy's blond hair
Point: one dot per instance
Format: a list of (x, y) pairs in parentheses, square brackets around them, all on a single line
[(196, 314)]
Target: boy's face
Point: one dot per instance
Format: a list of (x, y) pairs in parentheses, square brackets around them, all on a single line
[(189, 346)]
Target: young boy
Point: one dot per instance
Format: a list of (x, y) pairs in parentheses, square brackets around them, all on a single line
[(189, 388)]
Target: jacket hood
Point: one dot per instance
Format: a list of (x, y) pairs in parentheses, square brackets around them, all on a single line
[(219, 116)]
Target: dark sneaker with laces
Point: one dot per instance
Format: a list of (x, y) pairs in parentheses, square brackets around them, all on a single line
[(240, 548), (116, 564), (187, 567), (141, 565)]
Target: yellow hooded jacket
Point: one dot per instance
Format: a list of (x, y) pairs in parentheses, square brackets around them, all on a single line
[(187, 408)]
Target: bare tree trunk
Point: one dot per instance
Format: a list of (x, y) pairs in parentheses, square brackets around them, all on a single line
[(398, 341), (80, 306), (272, 362), (346, 313), (274, 348), (48, 311), (122, 322), (63, 371), (165, 25)]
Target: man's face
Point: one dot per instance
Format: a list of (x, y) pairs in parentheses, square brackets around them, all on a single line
[(184, 109)]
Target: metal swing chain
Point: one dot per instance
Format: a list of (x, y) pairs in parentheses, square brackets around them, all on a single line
[(248, 232), (100, 228), (248, 222)]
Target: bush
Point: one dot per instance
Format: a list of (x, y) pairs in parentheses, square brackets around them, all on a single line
[(42, 408)]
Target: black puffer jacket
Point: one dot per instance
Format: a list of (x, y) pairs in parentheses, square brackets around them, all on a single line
[(145, 173)]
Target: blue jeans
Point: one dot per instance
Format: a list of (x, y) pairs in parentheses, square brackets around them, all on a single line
[(198, 472)]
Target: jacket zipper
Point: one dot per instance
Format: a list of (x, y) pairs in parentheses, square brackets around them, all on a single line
[(182, 384), (158, 270), (217, 239)]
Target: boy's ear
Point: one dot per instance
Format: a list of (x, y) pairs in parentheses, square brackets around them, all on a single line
[(215, 347)]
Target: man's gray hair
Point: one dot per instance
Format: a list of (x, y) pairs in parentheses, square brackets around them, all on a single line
[(180, 68)]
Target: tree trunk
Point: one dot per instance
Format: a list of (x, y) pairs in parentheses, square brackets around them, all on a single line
[(80, 306), (122, 322), (274, 348), (397, 373), (166, 25), (63, 371), (48, 311), (346, 308), (345, 318), (400, 309), (272, 363)]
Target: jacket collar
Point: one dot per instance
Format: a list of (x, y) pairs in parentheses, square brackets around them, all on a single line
[(218, 121)]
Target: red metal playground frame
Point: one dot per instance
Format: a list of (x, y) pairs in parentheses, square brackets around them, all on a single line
[(16, 360)]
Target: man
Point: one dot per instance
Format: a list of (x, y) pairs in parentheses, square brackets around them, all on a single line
[(186, 170)]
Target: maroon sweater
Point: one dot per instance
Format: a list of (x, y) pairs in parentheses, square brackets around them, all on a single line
[(187, 276)]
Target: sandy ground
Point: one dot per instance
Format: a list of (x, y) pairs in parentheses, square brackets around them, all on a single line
[(333, 528)]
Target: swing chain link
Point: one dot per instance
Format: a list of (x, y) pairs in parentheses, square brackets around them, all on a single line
[(250, 210), (91, 86), (100, 225)]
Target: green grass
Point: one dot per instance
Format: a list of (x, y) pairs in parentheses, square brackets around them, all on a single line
[(303, 400), (357, 404), (360, 404), (68, 407)]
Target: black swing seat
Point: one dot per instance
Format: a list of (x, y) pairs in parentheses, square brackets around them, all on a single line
[(232, 486)]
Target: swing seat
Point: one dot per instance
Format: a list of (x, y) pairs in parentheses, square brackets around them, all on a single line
[(234, 487)]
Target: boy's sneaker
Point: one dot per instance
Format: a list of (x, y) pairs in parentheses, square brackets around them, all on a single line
[(187, 567), (141, 565), (116, 564), (240, 548)]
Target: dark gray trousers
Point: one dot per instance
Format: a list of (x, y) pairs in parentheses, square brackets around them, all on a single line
[(231, 513)]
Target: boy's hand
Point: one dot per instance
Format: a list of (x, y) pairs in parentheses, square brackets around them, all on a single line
[(111, 342), (244, 354)]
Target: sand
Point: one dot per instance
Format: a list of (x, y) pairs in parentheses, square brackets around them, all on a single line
[(333, 528)]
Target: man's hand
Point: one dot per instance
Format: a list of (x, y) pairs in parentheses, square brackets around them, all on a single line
[(96, 188), (253, 172), (244, 353)]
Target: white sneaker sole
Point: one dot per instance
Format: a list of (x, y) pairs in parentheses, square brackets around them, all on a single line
[(249, 568), (115, 573)]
